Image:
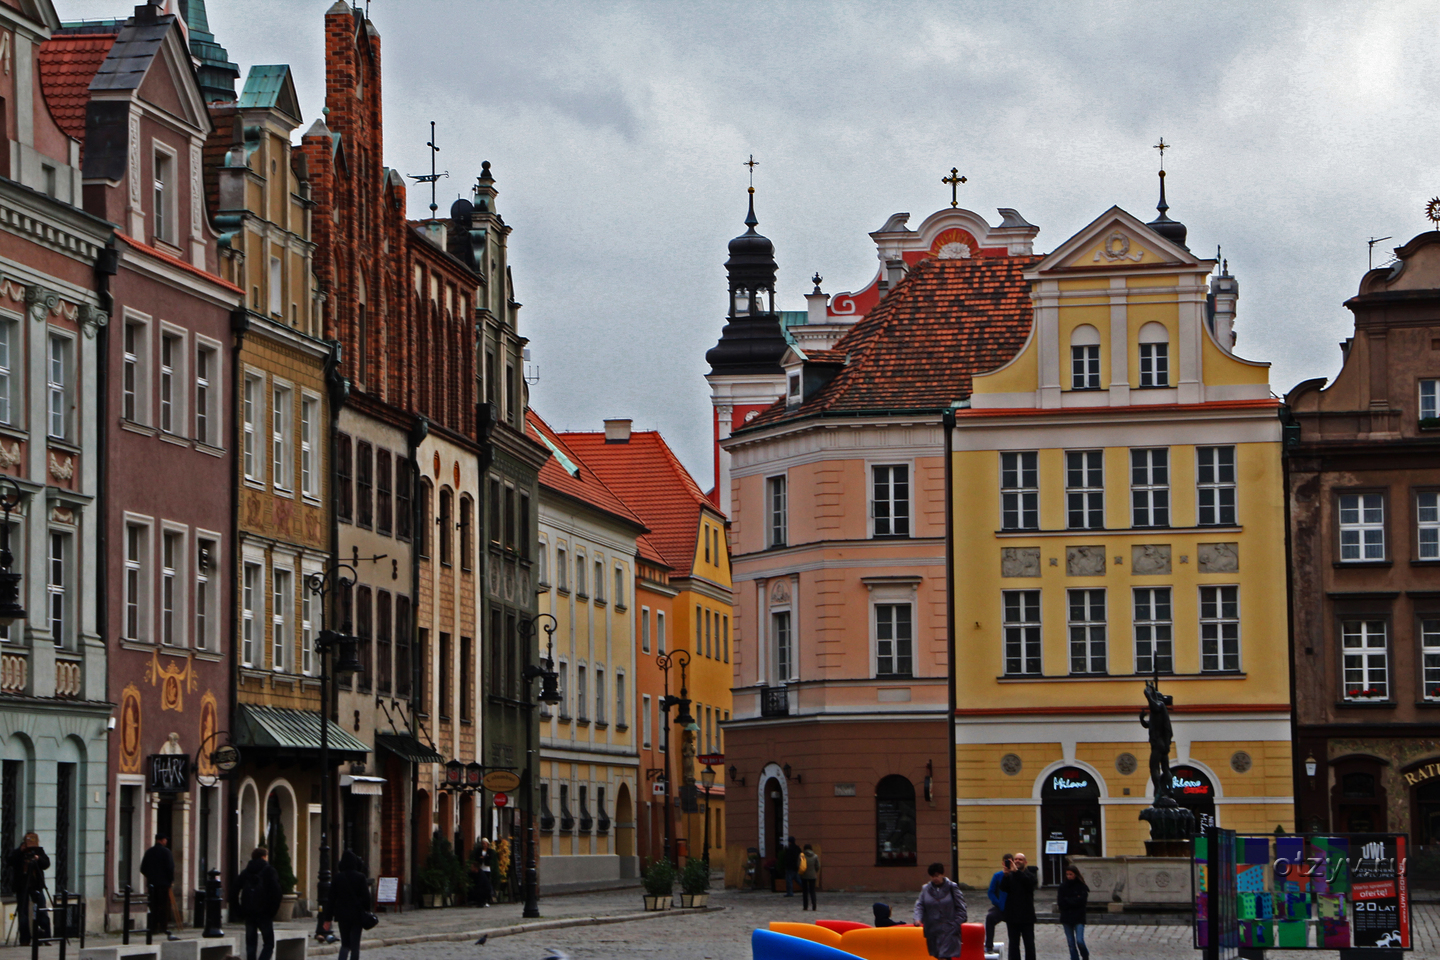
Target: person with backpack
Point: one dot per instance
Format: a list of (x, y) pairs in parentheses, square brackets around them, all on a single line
[(158, 869), (809, 877), (28, 864), (790, 857), (259, 901), (349, 904)]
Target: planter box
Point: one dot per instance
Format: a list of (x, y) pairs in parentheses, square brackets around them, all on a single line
[(287, 907), (430, 900), (694, 899), (658, 903)]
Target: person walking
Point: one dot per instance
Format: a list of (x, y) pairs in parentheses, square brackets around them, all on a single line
[(939, 911), (349, 903), (28, 863), (158, 869), (1019, 888), (1071, 898), (809, 877), (482, 859), (791, 855), (259, 900), (996, 913)]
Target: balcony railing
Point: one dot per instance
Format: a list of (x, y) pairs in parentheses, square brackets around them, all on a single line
[(14, 672), (68, 674), (774, 702)]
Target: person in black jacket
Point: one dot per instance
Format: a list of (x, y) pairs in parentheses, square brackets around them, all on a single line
[(791, 859), (349, 902), (28, 863), (259, 901), (158, 869), (1071, 898), (1019, 888)]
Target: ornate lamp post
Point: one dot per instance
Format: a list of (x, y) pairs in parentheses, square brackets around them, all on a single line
[(549, 693), (10, 607), (707, 778), (323, 584), (664, 661)]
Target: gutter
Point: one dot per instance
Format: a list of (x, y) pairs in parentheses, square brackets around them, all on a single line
[(239, 324), (948, 420)]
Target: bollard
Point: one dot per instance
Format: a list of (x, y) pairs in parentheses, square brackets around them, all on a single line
[(125, 922), (63, 916), (212, 906), (34, 933), (149, 923)]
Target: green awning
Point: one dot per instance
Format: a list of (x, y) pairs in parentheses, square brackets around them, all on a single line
[(406, 747), (291, 731)]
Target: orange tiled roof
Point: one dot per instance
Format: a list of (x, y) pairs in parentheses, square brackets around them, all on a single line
[(68, 63), (586, 486), (918, 348), (649, 478), (175, 261)]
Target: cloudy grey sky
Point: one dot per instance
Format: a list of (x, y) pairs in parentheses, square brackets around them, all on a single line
[(617, 132)]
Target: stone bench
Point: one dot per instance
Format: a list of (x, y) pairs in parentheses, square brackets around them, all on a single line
[(135, 951), (215, 948), (291, 944)]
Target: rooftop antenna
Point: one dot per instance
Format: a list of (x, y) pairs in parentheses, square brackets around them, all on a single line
[(1372, 241), (432, 176), (954, 180)]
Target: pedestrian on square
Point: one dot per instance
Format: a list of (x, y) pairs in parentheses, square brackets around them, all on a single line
[(259, 900), (482, 857), (1071, 898), (1019, 888), (996, 913), (809, 878), (790, 857), (939, 911), (28, 864), (158, 869), (349, 903)]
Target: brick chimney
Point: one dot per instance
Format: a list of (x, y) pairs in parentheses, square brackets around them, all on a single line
[(617, 431)]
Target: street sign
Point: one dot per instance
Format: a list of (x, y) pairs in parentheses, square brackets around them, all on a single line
[(169, 773), (501, 799), (226, 758), (387, 889), (658, 788), (499, 781), (711, 759)]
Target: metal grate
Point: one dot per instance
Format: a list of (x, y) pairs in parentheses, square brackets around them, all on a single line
[(774, 702)]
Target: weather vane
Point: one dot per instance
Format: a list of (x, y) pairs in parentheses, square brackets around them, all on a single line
[(752, 163), (954, 180), (432, 176)]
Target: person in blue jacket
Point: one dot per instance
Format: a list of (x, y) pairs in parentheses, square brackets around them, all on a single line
[(996, 912)]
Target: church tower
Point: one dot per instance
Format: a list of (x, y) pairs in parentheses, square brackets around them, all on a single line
[(745, 374)]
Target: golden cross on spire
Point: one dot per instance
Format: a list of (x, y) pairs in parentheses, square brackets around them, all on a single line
[(752, 163), (1162, 146), (954, 180)]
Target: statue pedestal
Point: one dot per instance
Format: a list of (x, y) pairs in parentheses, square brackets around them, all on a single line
[(1167, 848)]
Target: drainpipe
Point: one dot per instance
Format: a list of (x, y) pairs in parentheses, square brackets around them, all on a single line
[(107, 264), (418, 432), (948, 424), (239, 325), (338, 388)]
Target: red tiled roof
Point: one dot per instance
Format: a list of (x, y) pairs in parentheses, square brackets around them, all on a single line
[(175, 261), (67, 65), (587, 487), (825, 356), (649, 478), (918, 348)]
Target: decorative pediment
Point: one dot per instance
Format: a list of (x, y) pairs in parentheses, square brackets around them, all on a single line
[(1117, 240)]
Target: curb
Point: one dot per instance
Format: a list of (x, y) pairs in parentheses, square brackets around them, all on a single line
[(328, 949)]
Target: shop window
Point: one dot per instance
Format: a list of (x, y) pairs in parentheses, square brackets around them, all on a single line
[(895, 839)]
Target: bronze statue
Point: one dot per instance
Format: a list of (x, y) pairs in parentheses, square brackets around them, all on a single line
[(1161, 735), (1171, 825)]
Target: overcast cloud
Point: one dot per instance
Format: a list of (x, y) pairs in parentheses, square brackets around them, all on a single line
[(617, 132)]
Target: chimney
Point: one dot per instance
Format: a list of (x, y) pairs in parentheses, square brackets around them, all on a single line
[(617, 431), (816, 302), (894, 270)]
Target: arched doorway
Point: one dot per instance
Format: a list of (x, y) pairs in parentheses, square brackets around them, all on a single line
[(895, 840), (1357, 798), (1069, 813), (774, 840), (624, 822), (1193, 790)]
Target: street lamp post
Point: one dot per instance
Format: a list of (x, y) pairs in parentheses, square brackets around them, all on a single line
[(323, 584), (707, 777), (664, 661), (549, 693)]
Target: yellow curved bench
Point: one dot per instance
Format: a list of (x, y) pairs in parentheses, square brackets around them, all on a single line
[(809, 931), (886, 943)]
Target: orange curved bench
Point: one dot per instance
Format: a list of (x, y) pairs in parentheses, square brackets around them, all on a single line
[(890, 943), (808, 931)]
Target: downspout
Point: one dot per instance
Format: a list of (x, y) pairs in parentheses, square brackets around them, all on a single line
[(239, 325), (338, 389), (1289, 428), (416, 436), (948, 424), (107, 264)]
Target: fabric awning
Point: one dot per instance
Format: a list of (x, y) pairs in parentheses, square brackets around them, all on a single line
[(407, 747), (363, 786), (284, 730)]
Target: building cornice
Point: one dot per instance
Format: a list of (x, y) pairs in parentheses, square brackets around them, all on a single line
[(52, 224)]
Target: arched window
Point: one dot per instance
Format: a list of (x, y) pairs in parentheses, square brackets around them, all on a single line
[(1154, 355), (466, 543), (446, 526), (1085, 358), (427, 519), (895, 822)]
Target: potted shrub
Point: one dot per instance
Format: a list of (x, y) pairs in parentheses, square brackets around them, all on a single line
[(659, 883), (443, 878), (280, 860), (695, 883)]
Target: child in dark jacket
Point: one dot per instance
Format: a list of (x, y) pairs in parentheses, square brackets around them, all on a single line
[(1071, 899)]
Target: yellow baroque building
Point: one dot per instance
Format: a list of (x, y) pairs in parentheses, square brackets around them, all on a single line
[(1118, 513)]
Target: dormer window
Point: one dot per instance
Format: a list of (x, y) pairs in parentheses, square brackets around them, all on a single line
[(163, 211), (794, 395), (1085, 358), (1154, 355)]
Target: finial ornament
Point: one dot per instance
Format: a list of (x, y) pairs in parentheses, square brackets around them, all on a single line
[(432, 176), (1432, 210), (752, 163), (816, 280), (954, 180), (1162, 146)]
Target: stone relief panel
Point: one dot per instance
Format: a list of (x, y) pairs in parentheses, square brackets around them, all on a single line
[(1219, 557), (1150, 558), (1019, 561), (1085, 561)]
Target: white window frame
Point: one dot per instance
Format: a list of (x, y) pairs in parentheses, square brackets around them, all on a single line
[(580, 574), (1212, 487), (599, 578), (542, 561), (645, 721), (59, 581), (562, 567), (618, 596), (9, 335), (782, 642), (208, 393), (59, 392), (600, 694), (889, 645), (133, 392), (1087, 628), (620, 699), (1154, 622), (1360, 519), (1213, 660), (1429, 392), (164, 215), (777, 511), (1091, 502), (252, 608), (1020, 490), (1428, 626), (282, 616), (1154, 355), (659, 631), (644, 629), (1085, 358), (282, 435), (1022, 633), (894, 525), (172, 581), (582, 692), (1427, 525), (311, 457), (1362, 657), (1150, 487), (277, 287), (207, 600), (562, 683), (137, 592), (309, 619), (252, 415), (175, 377)]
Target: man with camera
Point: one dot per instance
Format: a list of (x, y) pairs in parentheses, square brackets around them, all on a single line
[(28, 864)]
